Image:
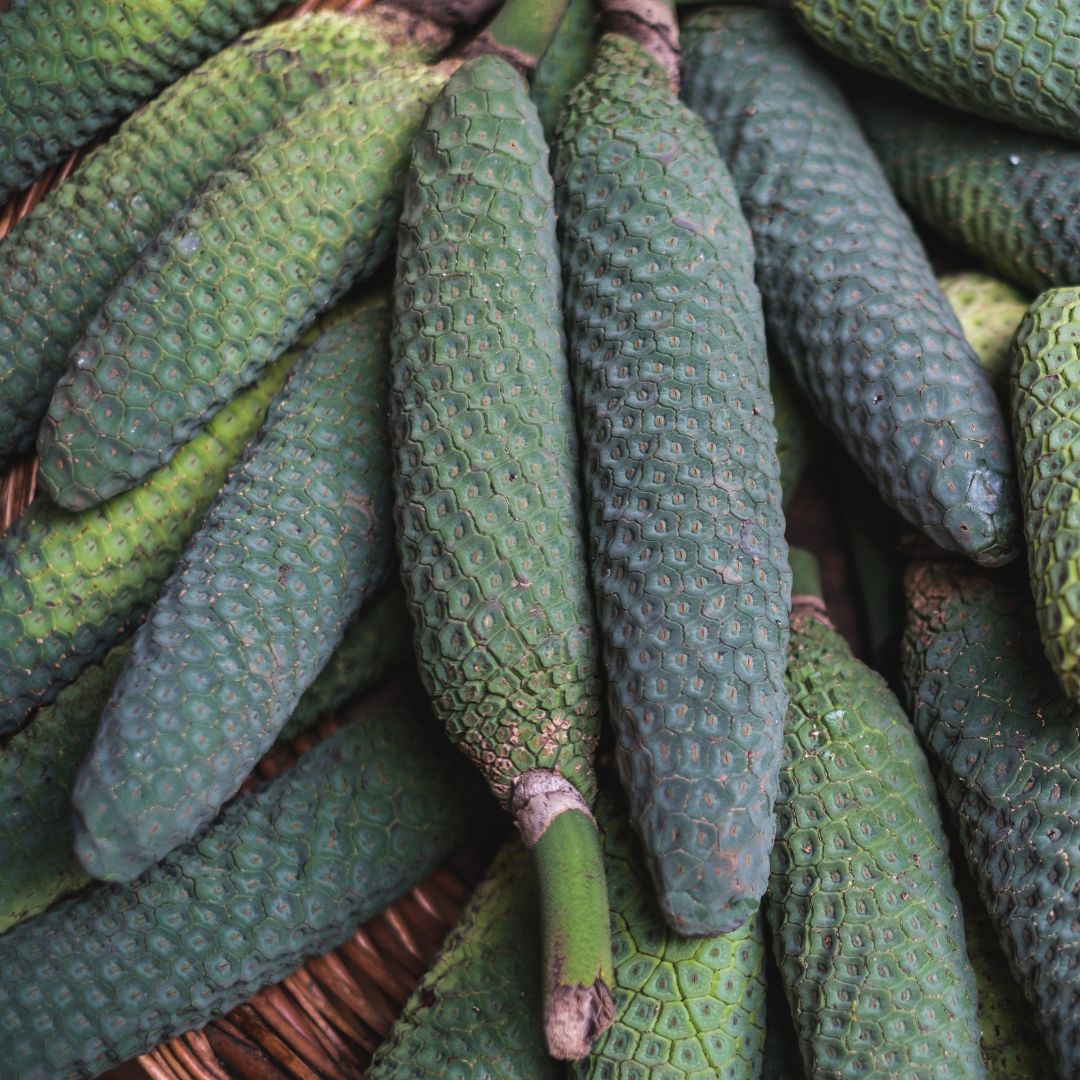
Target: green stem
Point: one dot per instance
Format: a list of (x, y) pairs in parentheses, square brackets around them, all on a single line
[(575, 928), (521, 32)]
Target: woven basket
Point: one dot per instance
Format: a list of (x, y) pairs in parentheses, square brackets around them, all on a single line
[(325, 1020)]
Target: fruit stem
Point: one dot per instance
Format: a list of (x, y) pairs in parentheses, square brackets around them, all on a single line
[(652, 24), (520, 33), (556, 824)]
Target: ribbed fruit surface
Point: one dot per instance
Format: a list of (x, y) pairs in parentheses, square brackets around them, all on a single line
[(69, 69), (488, 507), (269, 242), (1005, 745), (300, 533), (475, 1014), (1010, 198), (685, 1008), (849, 295), (689, 561), (72, 585), (284, 874), (59, 262), (867, 924), (1013, 62)]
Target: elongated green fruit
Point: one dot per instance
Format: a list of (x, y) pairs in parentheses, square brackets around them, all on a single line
[(990, 313), (300, 533), (685, 1008), (38, 766), (867, 924), (1005, 745), (474, 1013), (565, 61), (1045, 389), (848, 293), (284, 874), (1008, 197), (67, 71), (58, 263), (1011, 1047), (72, 585), (268, 243), (485, 451), (667, 351), (1016, 63)]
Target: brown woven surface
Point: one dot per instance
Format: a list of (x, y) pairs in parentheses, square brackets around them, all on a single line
[(324, 1021)]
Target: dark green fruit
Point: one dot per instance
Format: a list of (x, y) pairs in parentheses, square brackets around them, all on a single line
[(867, 924), (1005, 745), (70, 69), (1008, 197), (58, 264), (267, 244), (284, 874), (300, 533), (849, 295), (689, 562)]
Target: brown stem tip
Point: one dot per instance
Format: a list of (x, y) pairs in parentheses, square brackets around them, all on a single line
[(653, 25), (575, 1017)]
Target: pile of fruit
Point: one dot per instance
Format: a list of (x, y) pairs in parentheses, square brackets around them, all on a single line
[(468, 365)]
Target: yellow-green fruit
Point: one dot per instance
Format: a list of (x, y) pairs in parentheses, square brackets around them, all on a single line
[(1045, 385), (990, 311)]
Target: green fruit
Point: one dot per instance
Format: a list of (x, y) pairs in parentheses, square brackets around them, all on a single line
[(284, 874), (68, 70), (235, 277), (488, 507), (685, 1008), (667, 353), (1016, 63), (849, 296), (1009, 198), (300, 533), (38, 766), (58, 264), (990, 312), (565, 61), (1005, 745), (1010, 1048), (73, 585), (473, 1016), (867, 924), (1045, 386)]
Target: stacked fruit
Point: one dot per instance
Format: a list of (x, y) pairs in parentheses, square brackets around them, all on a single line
[(374, 335)]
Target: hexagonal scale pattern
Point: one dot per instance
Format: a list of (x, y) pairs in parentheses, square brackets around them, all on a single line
[(488, 505), (58, 264), (39, 765), (69, 69), (689, 562), (1045, 386), (300, 533), (849, 295), (1010, 198), (685, 1008), (72, 585), (1005, 744), (269, 241), (476, 1014), (867, 924), (284, 874), (1014, 62)]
